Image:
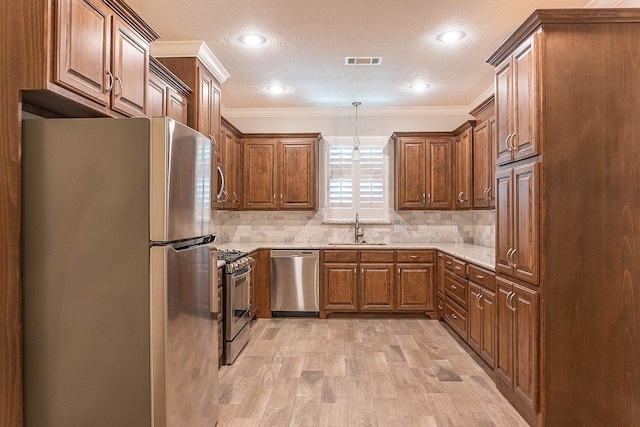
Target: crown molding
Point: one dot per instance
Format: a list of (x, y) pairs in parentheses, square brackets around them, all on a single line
[(481, 99), (191, 49), (344, 111)]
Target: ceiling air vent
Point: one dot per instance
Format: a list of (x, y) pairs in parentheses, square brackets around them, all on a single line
[(362, 60)]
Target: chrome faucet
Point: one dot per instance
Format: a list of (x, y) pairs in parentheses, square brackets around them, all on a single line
[(359, 232)]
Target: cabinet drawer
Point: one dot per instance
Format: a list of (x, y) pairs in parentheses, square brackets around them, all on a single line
[(456, 317), (456, 288), (340, 256), (455, 265), (415, 256), (482, 277), (376, 256)]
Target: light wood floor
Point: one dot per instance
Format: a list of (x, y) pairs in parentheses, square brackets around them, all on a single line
[(358, 372)]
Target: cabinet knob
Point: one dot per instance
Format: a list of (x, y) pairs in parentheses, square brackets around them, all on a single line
[(454, 287), (454, 316)]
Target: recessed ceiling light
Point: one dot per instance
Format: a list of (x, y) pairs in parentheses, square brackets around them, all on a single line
[(450, 36), (253, 39), (419, 86), (276, 88)]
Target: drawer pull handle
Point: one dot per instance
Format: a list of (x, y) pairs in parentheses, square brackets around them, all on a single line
[(449, 263), (414, 256), (454, 287), (479, 276), (453, 316), (458, 267)]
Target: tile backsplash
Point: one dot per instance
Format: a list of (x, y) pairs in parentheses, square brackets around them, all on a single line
[(476, 227)]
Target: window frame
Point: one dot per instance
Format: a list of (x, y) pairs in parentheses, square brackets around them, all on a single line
[(347, 215)]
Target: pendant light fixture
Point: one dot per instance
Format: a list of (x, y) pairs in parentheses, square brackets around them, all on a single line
[(356, 140)]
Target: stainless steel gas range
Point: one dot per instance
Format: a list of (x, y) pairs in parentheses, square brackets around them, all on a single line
[(236, 287)]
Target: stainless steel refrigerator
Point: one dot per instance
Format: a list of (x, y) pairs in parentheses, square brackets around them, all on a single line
[(119, 272)]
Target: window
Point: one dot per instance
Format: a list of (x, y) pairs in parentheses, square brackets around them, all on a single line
[(356, 187)]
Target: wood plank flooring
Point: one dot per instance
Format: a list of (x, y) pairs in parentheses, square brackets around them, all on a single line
[(358, 372)]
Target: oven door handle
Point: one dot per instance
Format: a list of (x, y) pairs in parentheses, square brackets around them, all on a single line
[(241, 276)]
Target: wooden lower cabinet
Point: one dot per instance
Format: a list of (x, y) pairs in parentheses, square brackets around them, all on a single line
[(482, 322), (414, 287), (340, 287), (376, 287), (517, 349)]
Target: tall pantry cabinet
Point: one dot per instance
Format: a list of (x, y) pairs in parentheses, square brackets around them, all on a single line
[(568, 217)]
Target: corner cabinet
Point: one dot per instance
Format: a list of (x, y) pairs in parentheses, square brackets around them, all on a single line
[(280, 173), (101, 57), (423, 171)]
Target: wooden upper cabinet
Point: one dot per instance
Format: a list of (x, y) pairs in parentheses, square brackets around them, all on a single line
[(424, 178), (483, 165), (83, 58), (298, 176), (260, 178), (130, 70), (280, 173), (516, 103), (231, 165), (167, 95), (156, 97), (517, 242), (463, 166), (101, 57), (439, 173), (411, 178)]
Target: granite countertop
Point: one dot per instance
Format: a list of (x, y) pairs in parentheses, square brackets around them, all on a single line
[(479, 255)]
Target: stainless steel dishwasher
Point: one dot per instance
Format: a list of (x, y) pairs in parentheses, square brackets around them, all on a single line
[(295, 278)]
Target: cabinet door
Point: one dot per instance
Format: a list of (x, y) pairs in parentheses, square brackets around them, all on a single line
[(474, 337), (463, 170), (156, 97), (83, 40), (204, 107), (259, 174), (214, 120), (505, 322), (439, 173), (298, 177), (525, 379), (176, 106), (376, 287), (130, 70), (489, 338), (504, 220), (504, 118), (440, 267), (524, 101), (481, 166), (411, 163), (340, 287), (414, 287), (525, 223), (231, 163), (493, 140)]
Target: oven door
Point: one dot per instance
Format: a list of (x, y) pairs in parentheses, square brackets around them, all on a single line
[(237, 291)]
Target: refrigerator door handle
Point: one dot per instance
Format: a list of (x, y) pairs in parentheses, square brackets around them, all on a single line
[(221, 192)]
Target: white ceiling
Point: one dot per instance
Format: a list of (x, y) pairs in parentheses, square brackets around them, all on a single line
[(307, 41)]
